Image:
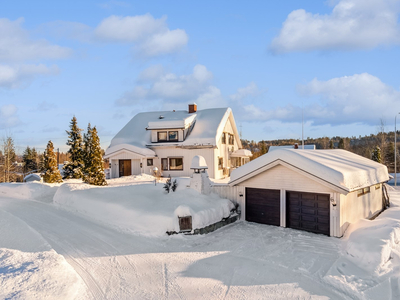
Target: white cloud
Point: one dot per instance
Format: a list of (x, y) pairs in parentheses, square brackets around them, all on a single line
[(16, 44), (250, 90), (20, 75), (170, 87), (8, 116), (357, 99), (150, 36), (349, 99), (353, 24)]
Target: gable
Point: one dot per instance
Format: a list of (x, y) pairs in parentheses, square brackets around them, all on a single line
[(282, 177)]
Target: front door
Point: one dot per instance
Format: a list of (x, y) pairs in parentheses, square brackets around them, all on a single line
[(125, 168)]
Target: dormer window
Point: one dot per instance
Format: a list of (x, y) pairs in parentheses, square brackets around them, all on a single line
[(162, 136), (173, 136), (223, 140)]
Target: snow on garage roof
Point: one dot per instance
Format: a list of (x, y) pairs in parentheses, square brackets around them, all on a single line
[(341, 168), (207, 125)]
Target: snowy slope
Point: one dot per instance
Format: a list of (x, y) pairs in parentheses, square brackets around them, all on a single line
[(30, 268)]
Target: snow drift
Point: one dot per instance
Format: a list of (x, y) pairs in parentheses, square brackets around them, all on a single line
[(29, 191), (143, 209)]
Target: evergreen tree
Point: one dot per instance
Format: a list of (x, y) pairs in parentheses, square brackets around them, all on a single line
[(9, 159), (376, 154), (29, 158), (87, 151), (341, 144), (94, 170), (389, 156), (51, 171), (263, 148), (73, 169), (331, 144)]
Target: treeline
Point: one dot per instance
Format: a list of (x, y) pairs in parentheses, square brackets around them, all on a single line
[(84, 159), (362, 145)]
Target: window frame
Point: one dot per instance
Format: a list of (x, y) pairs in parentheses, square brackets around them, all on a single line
[(158, 136), (169, 163), (220, 163), (150, 162), (162, 164), (223, 138), (363, 191), (177, 136)]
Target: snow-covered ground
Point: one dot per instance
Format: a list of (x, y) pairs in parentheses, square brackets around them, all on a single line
[(63, 251)]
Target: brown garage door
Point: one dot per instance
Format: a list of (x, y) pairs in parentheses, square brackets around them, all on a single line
[(308, 211), (263, 206)]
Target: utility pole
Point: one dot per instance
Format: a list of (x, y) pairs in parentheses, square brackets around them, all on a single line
[(395, 152)]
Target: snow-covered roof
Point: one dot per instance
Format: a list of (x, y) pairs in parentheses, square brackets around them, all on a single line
[(340, 168), (209, 125), (198, 162), (129, 148), (33, 177), (174, 120), (300, 147)]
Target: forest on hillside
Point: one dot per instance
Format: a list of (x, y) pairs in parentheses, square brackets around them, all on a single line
[(362, 145)]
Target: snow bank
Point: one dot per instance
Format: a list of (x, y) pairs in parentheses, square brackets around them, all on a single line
[(30, 269), (372, 244), (29, 190), (143, 209)]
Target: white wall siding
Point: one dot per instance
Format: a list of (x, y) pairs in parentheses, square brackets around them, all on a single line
[(187, 155), (154, 136), (354, 208), (281, 177), (126, 155), (232, 193)]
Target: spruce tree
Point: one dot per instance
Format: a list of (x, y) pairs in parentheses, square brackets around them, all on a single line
[(51, 171), (29, 157), (87, 152), (94, 169), (331, 146), (73, 169), (376, 154), (341, 144)]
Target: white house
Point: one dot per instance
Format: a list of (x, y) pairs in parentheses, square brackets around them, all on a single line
[(169, 140), (321, 191)]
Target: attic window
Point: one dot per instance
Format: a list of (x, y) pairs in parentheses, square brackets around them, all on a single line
[(223, 139), (161, 117), (231, 139), (162, 136)]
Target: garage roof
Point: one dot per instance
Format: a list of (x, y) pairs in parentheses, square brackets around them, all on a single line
[(341, 168)]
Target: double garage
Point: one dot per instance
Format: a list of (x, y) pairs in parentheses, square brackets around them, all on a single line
[(320, 191), (304, 211)]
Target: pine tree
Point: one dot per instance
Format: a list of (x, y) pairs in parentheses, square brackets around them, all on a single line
[(94, 169), (52, 173), (73, 169), (9, 159), (331, 144), (341, 144), (389, 156), (376, 154), (87, 151), (29, 157), (263, 148)]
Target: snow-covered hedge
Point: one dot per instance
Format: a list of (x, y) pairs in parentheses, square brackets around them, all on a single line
[(144, 209)]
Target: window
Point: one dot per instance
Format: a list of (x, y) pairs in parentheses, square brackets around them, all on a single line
[(220, 163), (164, 164), (231, 139), (162, 136), (377, 187), (173, 135), (223, 139), (149, 162), (363, 191), (176, 163)]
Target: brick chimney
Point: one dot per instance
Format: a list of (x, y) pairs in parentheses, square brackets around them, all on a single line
[(192, 108)]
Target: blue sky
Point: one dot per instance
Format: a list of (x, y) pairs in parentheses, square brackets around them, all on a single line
[(106, 61)]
